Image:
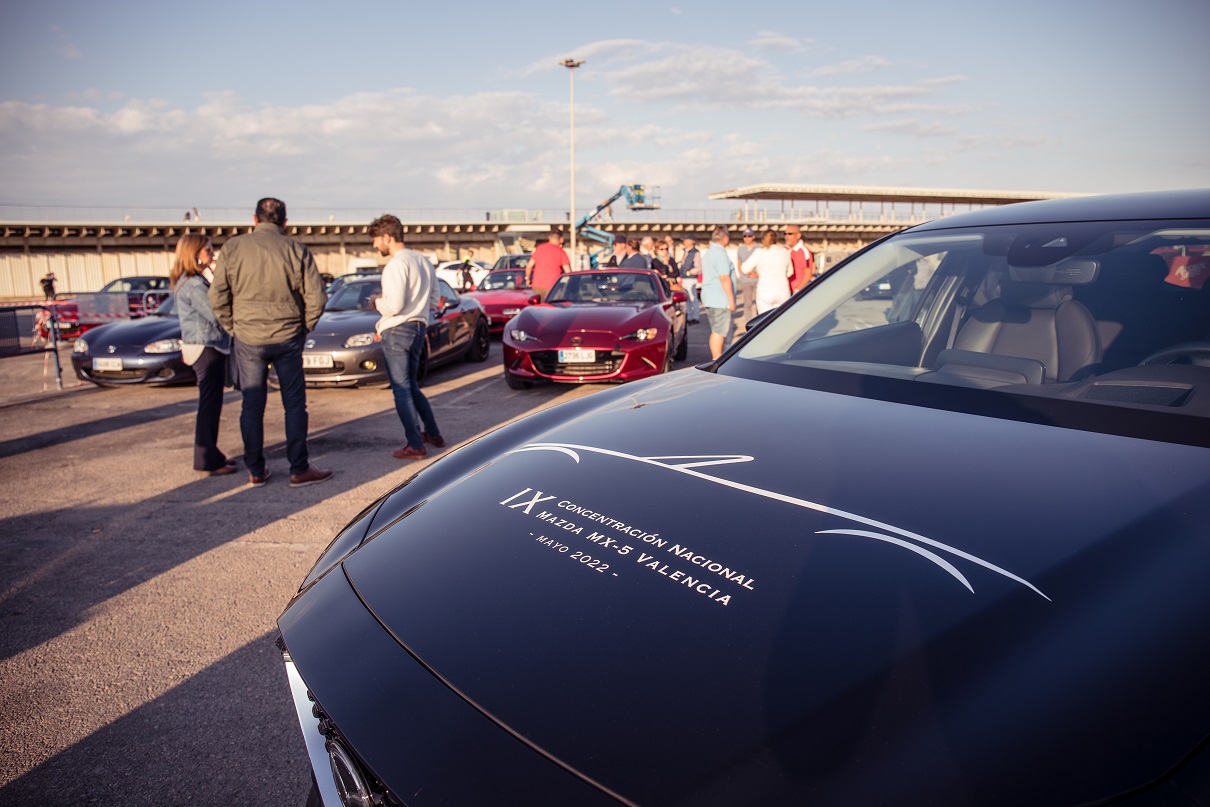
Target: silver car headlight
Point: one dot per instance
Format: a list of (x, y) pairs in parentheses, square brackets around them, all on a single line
[(164, 346), (362, 340), (521, 336), (80, 347), (642, 334)]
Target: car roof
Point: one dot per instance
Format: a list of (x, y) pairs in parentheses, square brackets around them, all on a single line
[(1183, 204)]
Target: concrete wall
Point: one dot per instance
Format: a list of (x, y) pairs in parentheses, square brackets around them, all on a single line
[(20, 275)]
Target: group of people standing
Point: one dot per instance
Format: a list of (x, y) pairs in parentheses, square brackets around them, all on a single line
[(763, 276), (771, 272), (254, 306), (250, 309)]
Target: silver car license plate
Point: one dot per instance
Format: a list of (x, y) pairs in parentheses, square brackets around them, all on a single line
[(107, 365), (317, 361), (577, 356)]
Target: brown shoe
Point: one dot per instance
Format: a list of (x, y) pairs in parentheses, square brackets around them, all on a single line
[(311, 476), (224, 471), (435, 440), (259, 481), (409, 453)]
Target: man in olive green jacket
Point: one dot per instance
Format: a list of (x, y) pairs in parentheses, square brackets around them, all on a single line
[(268, 294)]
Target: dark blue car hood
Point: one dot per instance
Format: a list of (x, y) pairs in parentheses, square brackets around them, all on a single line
[(139, 331), (708, 589)]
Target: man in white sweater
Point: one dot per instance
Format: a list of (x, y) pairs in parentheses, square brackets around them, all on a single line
[(409, 292)]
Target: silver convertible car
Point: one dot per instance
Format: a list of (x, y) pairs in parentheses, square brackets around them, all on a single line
[(344, 350), (948, 547)]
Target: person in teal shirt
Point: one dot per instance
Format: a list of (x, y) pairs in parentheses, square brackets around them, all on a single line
[(718, 290)]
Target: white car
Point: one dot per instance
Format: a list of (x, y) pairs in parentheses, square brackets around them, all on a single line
[(451, 272)]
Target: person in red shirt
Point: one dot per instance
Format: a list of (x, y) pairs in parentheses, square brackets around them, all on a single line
[(801, 258), (547, 264)]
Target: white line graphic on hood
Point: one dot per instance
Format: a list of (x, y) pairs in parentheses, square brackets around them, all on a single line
[(686, 464)]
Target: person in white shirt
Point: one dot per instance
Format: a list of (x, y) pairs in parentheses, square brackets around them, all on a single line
[(409, 292), (770, 264)]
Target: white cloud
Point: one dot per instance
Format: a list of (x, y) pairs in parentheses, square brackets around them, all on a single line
[(915, 128), (774, 40), (863, 64)]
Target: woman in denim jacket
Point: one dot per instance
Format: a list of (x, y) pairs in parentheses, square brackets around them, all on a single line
[(204, 345)]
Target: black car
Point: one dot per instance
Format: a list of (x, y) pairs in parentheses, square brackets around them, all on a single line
[(146, 350), (951, 555)]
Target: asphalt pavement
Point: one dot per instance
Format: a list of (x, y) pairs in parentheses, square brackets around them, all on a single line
[(138, 598)]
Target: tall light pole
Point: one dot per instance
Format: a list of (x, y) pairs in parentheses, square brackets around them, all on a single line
[(571, 65)]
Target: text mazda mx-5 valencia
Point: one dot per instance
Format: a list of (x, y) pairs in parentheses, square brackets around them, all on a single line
[(945, 548), (603, 325)]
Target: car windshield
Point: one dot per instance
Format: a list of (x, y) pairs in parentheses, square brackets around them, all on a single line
[(503, 280), (137, 284), (512, 262), (168, 307), (1110, 314), (357, 296), (604, 287)]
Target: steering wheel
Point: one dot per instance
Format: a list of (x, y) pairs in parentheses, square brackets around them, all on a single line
[(1197, 352)]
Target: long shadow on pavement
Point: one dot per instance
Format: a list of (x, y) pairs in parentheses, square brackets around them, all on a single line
[(226, 736)]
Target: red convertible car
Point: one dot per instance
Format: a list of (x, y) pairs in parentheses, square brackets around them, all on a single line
[(124, 298), (503, 294), (602, 325)]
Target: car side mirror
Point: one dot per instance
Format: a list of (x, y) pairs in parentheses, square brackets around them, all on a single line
[(534, 299), (679, 296)]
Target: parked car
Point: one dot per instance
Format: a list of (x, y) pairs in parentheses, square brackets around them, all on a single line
[(124, 298), (144, 350), (345, 351), (600, 325), (518, 261), (503, 294), (954, 558), (452, 272), (360, 267)]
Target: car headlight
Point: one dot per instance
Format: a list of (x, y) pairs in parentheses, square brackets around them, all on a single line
[(164, 346), (642, 334), (80, 347), (519, 335), (362, 339)]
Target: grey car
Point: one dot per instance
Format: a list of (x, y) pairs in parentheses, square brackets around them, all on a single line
[(344, 350)]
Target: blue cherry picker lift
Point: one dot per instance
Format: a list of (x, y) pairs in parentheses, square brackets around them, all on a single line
[(637, 198)]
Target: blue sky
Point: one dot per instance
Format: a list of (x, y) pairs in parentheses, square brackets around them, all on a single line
[(404, 105)]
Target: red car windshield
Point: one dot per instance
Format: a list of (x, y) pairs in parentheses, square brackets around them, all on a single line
[(605, 287)]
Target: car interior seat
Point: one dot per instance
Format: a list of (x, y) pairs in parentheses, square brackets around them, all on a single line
[(640, 290), (1039, 322)]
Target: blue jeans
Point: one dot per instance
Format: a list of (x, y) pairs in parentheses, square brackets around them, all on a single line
[(253, 362), (401, 348)]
